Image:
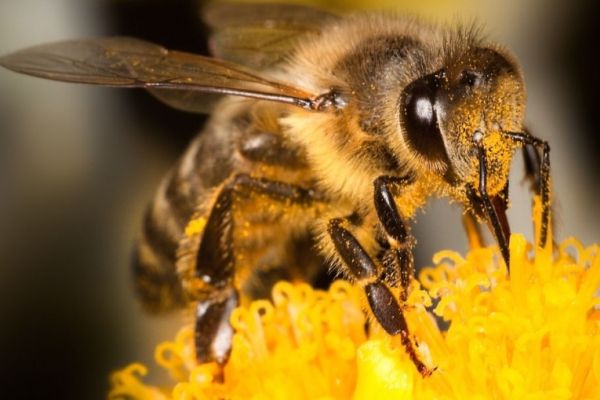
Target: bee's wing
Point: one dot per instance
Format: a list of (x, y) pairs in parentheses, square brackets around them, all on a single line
[(260, 35), (179, 79)]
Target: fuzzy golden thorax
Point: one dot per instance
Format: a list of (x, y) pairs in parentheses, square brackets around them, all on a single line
[(415, 96)]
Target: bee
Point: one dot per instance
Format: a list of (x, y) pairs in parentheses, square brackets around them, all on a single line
[(330, 133)]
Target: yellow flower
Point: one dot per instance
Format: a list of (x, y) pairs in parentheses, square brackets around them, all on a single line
[(533, 335)]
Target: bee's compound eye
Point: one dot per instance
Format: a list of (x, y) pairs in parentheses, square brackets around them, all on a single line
[(419, 117), (422, 111)]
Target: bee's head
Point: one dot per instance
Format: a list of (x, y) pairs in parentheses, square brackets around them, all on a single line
[(448, 116)]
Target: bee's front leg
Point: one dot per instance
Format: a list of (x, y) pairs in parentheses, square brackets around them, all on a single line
[(537, 171), (215, 261), (537, 168)]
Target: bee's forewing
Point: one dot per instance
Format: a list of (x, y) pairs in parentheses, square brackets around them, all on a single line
[(260, 35), (128, 62)]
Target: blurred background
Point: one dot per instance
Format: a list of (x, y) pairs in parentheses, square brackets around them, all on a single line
[(78, 165)]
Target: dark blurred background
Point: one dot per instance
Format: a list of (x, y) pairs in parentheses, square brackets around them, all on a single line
[(78, 165)]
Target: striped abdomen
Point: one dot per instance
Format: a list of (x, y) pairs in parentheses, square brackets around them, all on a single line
[(204, 165)]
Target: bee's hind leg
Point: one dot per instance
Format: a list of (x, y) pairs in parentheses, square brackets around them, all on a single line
[(215, 268), (215, 262)]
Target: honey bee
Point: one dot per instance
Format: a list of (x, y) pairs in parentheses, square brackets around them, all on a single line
[(332, 131)]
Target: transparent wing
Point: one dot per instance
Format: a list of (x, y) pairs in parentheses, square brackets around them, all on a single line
[(128, 62), (260, 35)]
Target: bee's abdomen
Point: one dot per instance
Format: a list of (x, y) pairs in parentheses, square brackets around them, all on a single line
[(205, 164), (156, 280)]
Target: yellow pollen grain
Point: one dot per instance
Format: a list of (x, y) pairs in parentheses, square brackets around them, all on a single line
[(195, 226)]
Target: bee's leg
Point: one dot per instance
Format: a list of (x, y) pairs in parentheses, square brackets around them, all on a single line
[(401, 242), (399, 255), (213, 333), (383, 304), (216, 261), (538, 169), (532, 166)]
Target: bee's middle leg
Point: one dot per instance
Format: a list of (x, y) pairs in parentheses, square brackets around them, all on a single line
[(215, 261), (386, 309), (399, 256)]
